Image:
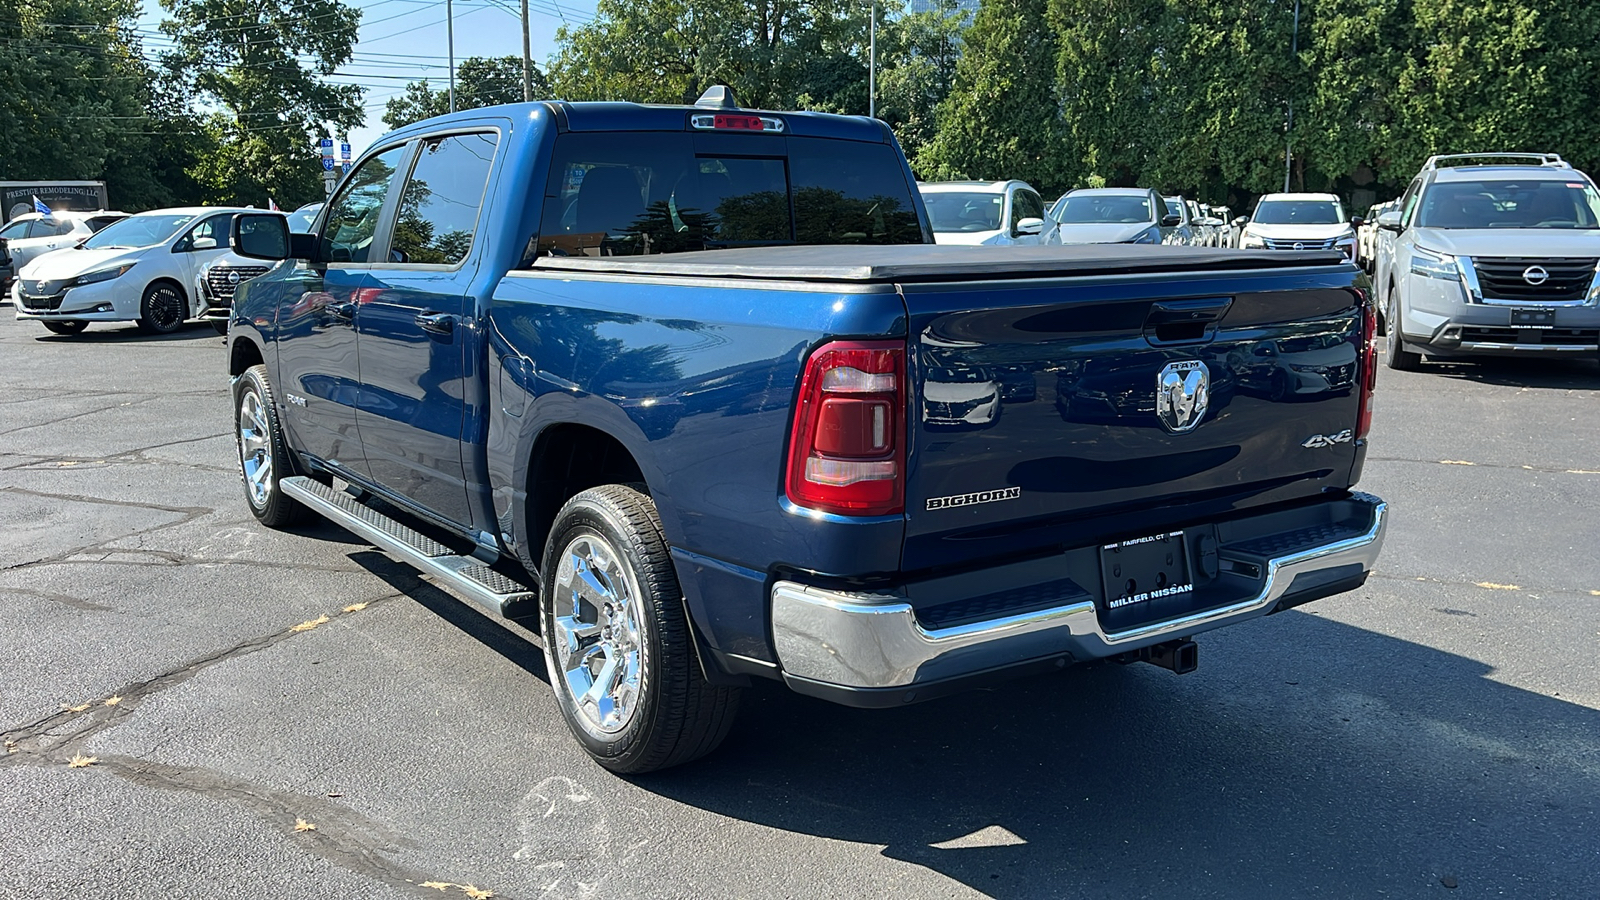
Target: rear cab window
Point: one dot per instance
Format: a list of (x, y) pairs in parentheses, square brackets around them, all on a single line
[(624, 194)]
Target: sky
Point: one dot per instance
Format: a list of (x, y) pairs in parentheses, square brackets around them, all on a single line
[(404, 40)]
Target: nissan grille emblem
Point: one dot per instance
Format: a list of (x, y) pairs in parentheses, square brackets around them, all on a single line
[(1298, 245), (1535, 275), (233, 277), (1183, 392), (40, 286)]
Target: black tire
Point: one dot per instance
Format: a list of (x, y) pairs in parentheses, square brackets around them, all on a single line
[(260, 441), (675, 716), (163, 309), (1395, 354), (66, 327)]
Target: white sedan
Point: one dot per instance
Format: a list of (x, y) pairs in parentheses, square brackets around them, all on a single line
[(140, 269)]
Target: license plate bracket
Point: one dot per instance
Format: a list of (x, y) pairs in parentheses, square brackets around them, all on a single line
[(1532, 317), (1137, 571)]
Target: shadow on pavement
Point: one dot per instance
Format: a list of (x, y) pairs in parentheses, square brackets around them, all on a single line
[(507, 638), (128, 333), (1371, 766), (1567, 374)]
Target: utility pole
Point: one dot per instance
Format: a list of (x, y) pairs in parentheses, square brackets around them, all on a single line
[(527, 57), (450, 41), (872, 62), (1288, 141)]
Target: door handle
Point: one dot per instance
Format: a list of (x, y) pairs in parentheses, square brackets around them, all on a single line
[(437, 322)]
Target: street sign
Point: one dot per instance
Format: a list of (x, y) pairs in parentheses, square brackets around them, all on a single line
[(327, 164), (344, 150)]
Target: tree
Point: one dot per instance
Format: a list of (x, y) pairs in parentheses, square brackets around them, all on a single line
[(261, 66), (917, 55), (82, 103), (771, 52), (480, 81), (1002, 118), (1495, 76)]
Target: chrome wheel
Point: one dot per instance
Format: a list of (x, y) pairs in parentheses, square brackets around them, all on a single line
[(598, 638), (255, 449)]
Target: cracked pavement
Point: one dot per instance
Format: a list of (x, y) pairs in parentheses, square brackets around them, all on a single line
[(1443, 722)]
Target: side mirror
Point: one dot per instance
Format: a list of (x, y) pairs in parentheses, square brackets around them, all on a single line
[(1357, 222), (1389, 221), (1211, 222), (1030, 225), (203, 243), (1171, 220), (260, 236), (1241, 222)]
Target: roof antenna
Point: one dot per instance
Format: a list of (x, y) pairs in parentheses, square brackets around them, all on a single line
[(718, 96)]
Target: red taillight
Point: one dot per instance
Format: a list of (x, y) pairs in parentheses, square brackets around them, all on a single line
[(1369, 364), (847, 449)]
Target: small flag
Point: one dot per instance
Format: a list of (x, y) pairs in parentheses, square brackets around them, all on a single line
[(39, 207), (272, 205)]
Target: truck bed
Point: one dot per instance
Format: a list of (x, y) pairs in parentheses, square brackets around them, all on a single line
[(911, 263)]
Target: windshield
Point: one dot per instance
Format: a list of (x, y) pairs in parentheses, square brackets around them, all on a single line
[(1510, 204), (138, 231), (952, 211), (1299, 212), (1085, 209), (300, 220), (1176, 207)]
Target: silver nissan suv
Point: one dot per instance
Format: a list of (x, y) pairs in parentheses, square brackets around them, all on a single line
[(1491, 254)]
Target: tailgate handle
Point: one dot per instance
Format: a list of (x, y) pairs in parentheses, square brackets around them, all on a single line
[(1184, 321)]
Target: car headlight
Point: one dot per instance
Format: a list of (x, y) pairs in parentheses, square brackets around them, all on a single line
[(1148, 236), (102, 275), (1347, 246), (1434, 265), (1252, 242)]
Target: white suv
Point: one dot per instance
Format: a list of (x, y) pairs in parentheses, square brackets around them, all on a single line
[(994, 213), (1300, 222), (1491, 254)]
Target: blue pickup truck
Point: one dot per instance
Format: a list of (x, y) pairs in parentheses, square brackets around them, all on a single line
[(691, 392)]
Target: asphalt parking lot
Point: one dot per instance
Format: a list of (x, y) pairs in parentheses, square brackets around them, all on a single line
[(1436, 733)]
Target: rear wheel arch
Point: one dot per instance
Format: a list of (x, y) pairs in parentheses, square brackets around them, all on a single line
[(566, 459)]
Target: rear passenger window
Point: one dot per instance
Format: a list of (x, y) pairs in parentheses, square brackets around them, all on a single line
[(613, 194), (440, 204)]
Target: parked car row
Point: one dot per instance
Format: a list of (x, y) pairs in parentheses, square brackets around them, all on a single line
[(158, 269)]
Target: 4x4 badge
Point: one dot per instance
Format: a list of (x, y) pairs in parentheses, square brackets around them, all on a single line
[(1183, 392), (1326, 440)]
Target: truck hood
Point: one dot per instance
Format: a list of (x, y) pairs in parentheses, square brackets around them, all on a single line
[(1301, 232), (60, 265), (969, 237), (1523, 242), (1099, 233)]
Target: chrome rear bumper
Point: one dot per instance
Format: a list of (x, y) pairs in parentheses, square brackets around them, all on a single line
[(855, 641)]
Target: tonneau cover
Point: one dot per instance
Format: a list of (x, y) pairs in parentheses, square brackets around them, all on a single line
[(929, 262)]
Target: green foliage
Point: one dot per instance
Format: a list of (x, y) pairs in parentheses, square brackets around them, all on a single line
[(668, 51), (262, 67), (480, 81), (1001, 119), (81, 103)]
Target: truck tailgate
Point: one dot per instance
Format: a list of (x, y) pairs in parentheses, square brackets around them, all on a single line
[(1034, 422)]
